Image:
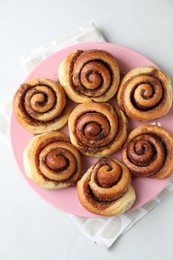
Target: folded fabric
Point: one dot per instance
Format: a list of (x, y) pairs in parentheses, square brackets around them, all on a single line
[(87, 33), (104, 230)]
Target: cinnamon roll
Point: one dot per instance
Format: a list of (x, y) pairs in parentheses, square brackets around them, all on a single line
[(145, 93), (97, 129), (51, 161), (91, 75), (148, 152), (40, 105), (105, 189)]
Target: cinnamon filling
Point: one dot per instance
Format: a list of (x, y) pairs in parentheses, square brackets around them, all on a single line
[(93, 200), (40, 100), (107, 173), (107, 183), (90, 77), (56, 161), (146, 95), (98, 144), (146, 154), (35, 122), (92, 128)]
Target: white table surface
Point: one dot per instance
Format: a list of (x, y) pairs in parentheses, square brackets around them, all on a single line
[(29, 227)]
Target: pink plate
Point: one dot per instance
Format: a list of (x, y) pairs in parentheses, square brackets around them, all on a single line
[(66, 199)]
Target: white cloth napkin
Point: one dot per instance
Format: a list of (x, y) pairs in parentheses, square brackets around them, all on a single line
[(104, 230)]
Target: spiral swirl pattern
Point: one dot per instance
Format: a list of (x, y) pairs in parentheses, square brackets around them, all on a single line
[(40, 105), (91, 75), (145, 93), (148, 152), (97, 129), (51, 161), (104, 186)]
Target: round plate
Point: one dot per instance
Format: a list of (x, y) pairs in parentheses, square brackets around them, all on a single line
[(66, 199)]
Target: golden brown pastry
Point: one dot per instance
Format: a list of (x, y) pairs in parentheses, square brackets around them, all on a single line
[(97, 129), (105, 189), (145, 93), (91, 75), (40, 105), (148, 152), (51, 161)]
